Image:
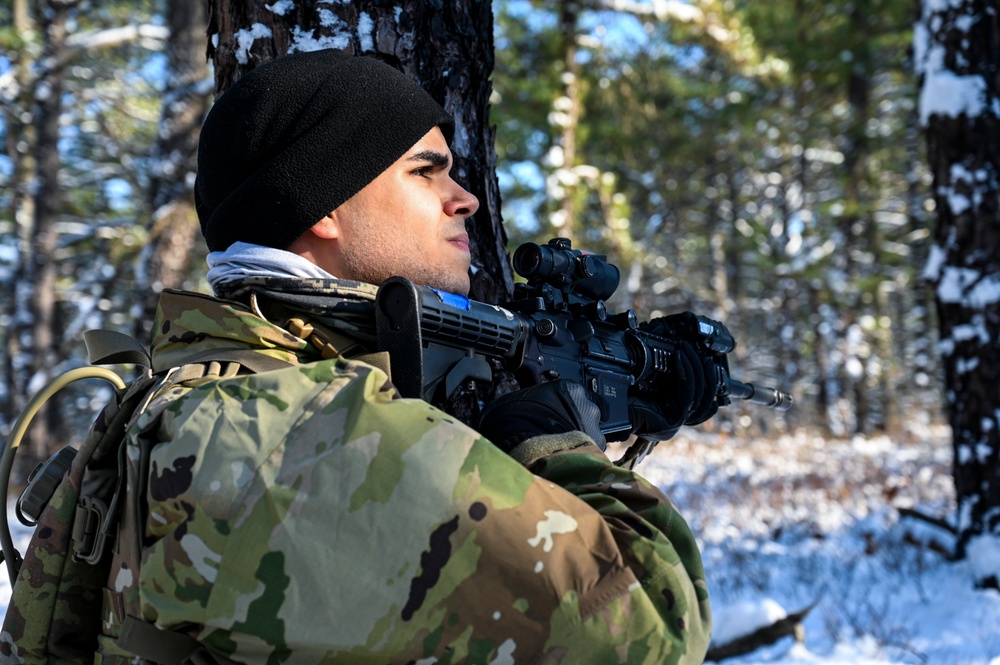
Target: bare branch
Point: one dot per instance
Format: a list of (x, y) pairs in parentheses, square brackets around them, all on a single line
[(109, 38), (930, 519), (662, 10), (115, 36), (790, 626)]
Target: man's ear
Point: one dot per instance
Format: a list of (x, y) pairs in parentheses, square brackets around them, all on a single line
[(329, 227), (312, 244)]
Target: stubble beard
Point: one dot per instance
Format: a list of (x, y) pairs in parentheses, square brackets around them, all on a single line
[(375, 257)]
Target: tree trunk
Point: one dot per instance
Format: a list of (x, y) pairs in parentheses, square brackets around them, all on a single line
[(174, 224), (858, 226), (887, 351), (447, 49), (964, 154), (33, 334), (21, 151), (566, 111), (821, 357)]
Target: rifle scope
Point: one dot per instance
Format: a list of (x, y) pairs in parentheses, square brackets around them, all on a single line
[(555, 263)]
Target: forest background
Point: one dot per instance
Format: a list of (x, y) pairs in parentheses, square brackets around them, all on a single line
[(765, 164), (762, 165)]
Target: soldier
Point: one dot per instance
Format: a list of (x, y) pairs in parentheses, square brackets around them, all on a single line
[(309, 514)]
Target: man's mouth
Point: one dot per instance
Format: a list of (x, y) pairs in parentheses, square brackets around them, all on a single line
[(461, 241)]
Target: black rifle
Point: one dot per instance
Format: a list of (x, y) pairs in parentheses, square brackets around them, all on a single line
[(557, 326)]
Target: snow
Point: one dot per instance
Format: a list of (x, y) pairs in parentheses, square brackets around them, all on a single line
[(968, 286), (366, 31), (245, 39), (789, 522), (745, 617), (948, 94), (960, 175), (983, 554), (798, 520), (281, 7), (306, 40), (945, 92)]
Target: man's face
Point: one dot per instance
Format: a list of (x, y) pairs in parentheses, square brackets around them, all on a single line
[(409, 221)]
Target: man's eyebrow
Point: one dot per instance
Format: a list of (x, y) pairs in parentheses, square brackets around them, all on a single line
[(433, 157)]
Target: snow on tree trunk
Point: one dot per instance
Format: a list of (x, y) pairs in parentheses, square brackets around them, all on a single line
[(957, 51), (447, 48)]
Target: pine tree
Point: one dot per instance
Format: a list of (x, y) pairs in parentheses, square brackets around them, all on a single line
[(958, 56)]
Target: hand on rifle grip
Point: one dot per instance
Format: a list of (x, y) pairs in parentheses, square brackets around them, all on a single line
[(554, 407), (687, 395)]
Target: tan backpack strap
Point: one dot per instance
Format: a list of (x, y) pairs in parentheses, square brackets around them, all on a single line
[(209, 366), (332, 344), (255, 361), (329, 343)]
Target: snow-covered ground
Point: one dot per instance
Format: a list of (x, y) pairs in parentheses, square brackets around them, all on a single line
[(801, 521)]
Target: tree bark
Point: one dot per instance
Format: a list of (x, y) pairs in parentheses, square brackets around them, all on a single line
[(964, 157), (568, 114), (858, 223)]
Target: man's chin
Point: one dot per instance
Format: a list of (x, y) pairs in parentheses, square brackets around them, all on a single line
[(458, 286), (458, 289)]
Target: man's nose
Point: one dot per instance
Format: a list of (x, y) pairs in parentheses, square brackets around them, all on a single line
[(462, 203)]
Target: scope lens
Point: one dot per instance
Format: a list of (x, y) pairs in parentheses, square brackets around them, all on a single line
[(527, 259), (544, 262)]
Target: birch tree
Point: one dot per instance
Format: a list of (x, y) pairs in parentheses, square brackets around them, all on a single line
[(957, 46)]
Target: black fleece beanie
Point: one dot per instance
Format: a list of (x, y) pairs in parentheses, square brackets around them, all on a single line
[(296, 137)]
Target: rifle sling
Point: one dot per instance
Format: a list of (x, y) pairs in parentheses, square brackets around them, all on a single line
[(164, 647)]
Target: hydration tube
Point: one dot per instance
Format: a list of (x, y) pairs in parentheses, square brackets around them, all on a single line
[(10, 554)]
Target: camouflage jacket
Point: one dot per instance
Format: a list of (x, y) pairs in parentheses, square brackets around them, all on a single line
[(311, 515)]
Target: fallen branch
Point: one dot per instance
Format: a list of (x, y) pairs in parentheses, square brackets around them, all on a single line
[(930, 519), (934, 546), (791, 626)]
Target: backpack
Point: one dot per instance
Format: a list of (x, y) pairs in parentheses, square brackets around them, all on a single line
[(74, 502)]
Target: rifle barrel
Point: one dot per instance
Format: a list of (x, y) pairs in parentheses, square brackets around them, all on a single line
[(770, 397)]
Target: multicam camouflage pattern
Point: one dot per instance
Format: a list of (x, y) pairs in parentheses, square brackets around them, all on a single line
[(484, 563), (54, 611), (310, 515)]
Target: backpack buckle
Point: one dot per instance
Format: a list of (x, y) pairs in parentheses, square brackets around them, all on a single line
[(90, 537), (42, 484)]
